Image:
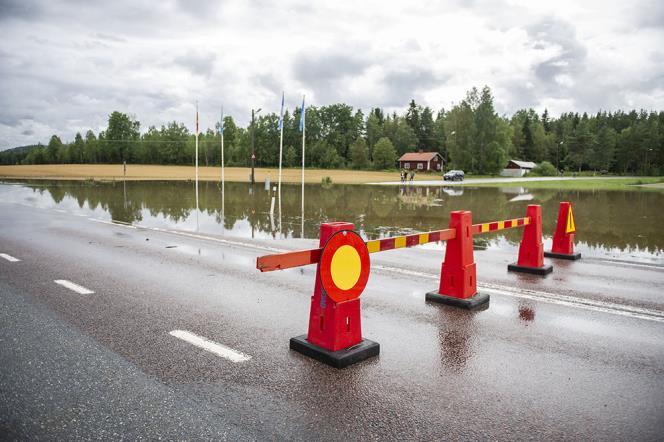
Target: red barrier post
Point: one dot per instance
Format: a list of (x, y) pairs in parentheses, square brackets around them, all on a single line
[(563, 236), (531, 249), (458, 283), (335, 329)]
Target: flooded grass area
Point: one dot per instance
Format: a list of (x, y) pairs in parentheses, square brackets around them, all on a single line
[(617, 224)]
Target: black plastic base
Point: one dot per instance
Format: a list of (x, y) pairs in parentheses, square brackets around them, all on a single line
[(544, 270), (471, 303), (571, 257), (340, 358)]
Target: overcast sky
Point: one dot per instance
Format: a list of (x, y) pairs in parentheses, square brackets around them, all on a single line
[(65, 65)]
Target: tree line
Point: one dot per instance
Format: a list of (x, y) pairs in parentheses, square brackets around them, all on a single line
[(470, 136)]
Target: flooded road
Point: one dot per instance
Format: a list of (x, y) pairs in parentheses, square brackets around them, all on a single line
[(610, 224), (90, 311)]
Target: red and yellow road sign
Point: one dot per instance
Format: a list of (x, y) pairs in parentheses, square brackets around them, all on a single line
[(571, 227), (344, 266)]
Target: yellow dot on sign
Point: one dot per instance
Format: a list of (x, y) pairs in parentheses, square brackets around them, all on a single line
[(345, 267)]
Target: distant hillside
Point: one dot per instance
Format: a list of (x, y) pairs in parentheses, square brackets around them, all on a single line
[(21, 149), (16, 154)]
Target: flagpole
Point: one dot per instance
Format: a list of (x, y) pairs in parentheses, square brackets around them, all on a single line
[(196, 164), (281, 148), (223, 178), (221, 128), (302, 117)]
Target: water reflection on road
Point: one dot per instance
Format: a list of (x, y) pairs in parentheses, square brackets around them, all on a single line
[(618, 224)]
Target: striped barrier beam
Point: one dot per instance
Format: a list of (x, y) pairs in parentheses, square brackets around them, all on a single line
[(500, 225), (287, 260)]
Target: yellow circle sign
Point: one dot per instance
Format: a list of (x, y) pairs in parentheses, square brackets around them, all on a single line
[(345, 267)]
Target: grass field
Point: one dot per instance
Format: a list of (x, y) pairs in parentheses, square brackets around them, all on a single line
[(111, 172), (138, 172), (631, 183)]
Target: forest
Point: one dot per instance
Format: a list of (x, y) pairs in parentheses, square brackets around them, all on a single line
[(470, 136)]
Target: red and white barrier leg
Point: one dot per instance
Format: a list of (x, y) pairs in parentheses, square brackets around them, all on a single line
[(563, 237), (458, 283), (335, 328), (531, 249)]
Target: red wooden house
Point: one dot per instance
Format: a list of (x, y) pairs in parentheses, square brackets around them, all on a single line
[(422, 161)]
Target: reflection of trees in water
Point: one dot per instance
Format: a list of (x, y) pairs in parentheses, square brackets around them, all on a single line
[(612, 219)]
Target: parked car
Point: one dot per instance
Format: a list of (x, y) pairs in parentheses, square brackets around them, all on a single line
[(454, 175)]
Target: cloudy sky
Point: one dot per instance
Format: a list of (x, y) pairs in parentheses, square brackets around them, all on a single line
[(65, 65)]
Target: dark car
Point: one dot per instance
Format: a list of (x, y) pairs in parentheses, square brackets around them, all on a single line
[(454, 175)]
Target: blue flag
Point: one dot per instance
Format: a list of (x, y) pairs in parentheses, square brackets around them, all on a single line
[(281, 115), (221, 125), (302, 115)]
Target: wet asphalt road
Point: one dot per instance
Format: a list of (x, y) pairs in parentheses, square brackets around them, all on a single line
[(578, 355)]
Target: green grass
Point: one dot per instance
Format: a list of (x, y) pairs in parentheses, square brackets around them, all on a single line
[(585, 184)]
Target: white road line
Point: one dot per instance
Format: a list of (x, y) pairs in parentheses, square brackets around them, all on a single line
[(212, 347), (551, 298), (9, 257), (191, 235), (74, 287)]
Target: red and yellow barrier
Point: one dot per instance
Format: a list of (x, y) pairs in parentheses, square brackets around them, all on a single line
[(335, 333)]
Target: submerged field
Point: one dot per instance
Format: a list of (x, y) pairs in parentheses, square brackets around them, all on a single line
[(111, 172), (140, 172)]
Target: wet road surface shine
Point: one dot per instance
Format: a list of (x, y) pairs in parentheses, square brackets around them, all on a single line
[(521, 369)]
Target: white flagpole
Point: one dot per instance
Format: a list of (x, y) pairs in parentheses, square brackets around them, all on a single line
[(197, 165), (223, 178), (281, 148), (222, 145), (303, 131)]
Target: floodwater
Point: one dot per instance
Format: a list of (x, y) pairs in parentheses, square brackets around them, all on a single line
[(610, 224)]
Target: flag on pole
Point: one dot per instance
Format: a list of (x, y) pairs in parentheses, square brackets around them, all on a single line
[(221, 125), (281, 115), (196, 118), (302, 115)]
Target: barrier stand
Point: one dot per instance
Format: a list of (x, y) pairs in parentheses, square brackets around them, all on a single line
[(335, 332), (458, 282), (563, 236), (531, 249), (335, 329)]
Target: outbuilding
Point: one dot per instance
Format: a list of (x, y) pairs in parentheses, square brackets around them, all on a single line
[(516, 168), (421, 161)]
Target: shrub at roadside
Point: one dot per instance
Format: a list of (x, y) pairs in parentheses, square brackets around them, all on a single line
[(544, 169)]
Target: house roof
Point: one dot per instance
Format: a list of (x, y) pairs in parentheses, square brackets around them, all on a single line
[(524, 164), (419, 156)]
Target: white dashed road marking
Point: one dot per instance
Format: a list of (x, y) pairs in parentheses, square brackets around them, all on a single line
[(9, 258), (212, 347), (74, 287)]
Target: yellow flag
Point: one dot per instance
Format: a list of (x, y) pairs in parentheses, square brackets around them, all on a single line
[(571, 228)]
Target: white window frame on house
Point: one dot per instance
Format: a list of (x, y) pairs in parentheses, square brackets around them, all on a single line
[(406, 165), (420, 166)]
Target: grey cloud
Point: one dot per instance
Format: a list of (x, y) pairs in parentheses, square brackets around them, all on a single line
[(323, 70), (269, 82), (197, 63), (403, 85), (28, 132), (110, 37), (571, 59), (13, 120), (651, 15), (21, 9)]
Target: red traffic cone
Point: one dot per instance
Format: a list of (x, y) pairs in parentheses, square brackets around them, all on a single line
[(335, 329), (563, 237), (531, 249), (457, 276)]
